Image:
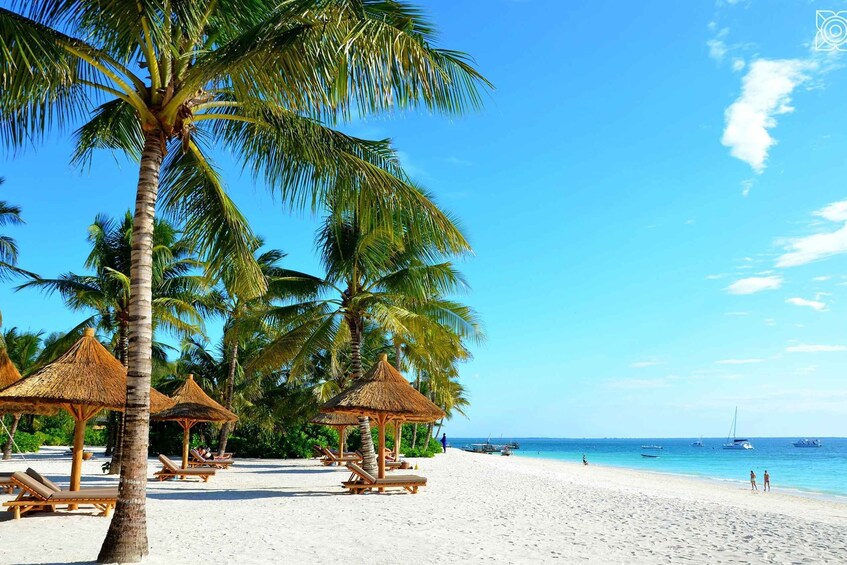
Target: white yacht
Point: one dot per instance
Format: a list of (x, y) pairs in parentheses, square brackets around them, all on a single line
[(736, 443)]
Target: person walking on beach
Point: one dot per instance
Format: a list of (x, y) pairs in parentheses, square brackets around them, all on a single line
[(767, 485), (444, 443), (584, 460), (753, 481)]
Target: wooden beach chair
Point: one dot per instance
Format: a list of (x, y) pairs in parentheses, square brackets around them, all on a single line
[(390, 464), (330, 458), (36, 495), (6, 485), (171, 470), (360, 481), (198, 460)]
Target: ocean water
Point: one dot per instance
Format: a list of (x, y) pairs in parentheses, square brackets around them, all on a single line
[(809, 470)]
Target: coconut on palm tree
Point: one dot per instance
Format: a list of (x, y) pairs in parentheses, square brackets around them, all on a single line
[(261, 78)]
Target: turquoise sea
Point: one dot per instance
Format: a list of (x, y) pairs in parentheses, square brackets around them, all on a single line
[(810, 470)]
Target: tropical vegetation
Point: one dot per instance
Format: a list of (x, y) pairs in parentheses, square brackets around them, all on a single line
[(269, 81)]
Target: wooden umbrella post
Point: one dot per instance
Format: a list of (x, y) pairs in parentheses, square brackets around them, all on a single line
[(81, 417), (340, 442), (398, 429), (186, 437), (76, 466), (381, 453)]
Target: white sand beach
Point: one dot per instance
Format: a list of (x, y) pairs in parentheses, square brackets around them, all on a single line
[(476, 508)]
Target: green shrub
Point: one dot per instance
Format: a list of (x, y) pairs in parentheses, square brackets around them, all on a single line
[(296, 442), (26, 443), (430, 450), (95, 437)]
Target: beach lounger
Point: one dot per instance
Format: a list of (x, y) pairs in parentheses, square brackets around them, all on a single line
[(37, 495), (360, 481), (198, 460), (391, 464), (6, 485), (330, 458), (171, 470)]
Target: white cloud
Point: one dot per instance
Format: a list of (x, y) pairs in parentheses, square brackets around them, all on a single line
[(803, 250), (737, 65), (643, 364), (738, 361), (822, 279), (813, 304), (805, 348), (765, 93), (835, 212), (639, 384), (770, 322), (717, 49), (752, 285), (715, 277), (457, 161), (746, 186)]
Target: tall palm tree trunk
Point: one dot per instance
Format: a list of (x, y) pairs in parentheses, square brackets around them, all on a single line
[(7, 450), (230, 386), (120, 421), (126, 540), (369, 462)]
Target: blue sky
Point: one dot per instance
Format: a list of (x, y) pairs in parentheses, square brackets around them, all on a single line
[(656, 198)]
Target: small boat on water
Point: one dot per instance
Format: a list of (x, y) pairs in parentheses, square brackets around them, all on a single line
[(513, 445), (736, 444), (506, 451), (808, 443), (481, 448), (649, 456), (698, 443), (652, 447)]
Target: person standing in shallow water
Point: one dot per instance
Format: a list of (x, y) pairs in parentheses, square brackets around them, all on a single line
[(753, 481), (444, 443), (767, 486), (584, 460)]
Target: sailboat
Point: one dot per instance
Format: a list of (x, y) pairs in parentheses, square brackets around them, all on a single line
[(698, 443), (736, 443)]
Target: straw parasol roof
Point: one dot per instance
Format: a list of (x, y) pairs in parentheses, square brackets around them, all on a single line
[(383, 391), (335, 419), (9, 375), (385, 395), (87, 374), (8, 372), (191, 403)]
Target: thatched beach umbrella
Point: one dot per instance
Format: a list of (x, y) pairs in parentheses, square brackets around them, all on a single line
[(338, 421), (85, 380), (192, 405), (9, 375), (383, 394)]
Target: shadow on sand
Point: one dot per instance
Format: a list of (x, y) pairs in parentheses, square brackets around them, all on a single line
[(235, 494)]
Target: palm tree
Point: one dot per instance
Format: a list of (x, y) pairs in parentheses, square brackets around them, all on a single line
[(25, 351), (375, 277), (246, 317), (260, 77), (177, 292), (9, 215)]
